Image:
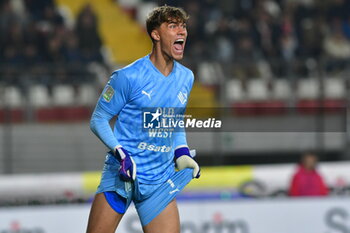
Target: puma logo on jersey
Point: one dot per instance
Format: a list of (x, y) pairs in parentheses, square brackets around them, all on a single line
[(182, 97), (147, 94)]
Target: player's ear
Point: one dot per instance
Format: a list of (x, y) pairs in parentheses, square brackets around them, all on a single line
[(155, 35)]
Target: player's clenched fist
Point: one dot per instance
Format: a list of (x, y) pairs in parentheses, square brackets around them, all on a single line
[(183, 160), (127, 170)]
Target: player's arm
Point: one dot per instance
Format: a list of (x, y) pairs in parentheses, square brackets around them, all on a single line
[(112, 100), (183, 158)]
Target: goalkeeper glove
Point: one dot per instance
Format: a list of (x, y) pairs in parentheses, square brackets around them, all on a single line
[(183, 159), (127, 170)]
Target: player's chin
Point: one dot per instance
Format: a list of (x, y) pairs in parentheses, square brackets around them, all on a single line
[(177, 56)]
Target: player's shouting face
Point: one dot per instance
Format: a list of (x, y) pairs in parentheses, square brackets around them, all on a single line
[(172, 38), (167, 28)]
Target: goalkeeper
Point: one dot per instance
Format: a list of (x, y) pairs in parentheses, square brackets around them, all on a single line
[(140, 166)]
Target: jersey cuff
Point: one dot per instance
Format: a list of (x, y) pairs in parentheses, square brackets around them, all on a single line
[(180, 151)]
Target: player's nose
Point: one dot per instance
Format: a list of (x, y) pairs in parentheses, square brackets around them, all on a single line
[(182, 31)]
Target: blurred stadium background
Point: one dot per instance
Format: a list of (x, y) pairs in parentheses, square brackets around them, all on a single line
[(277, 70)]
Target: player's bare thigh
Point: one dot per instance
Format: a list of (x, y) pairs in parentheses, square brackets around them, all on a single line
[(102, 219), (168, 221)]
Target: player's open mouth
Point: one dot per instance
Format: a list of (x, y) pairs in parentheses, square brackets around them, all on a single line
[(179, 45)]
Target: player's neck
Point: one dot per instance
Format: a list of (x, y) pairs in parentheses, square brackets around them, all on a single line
[(162, 62)]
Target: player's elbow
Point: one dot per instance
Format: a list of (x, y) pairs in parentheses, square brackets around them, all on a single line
[(99, 119), (94, 121), (93, 124)]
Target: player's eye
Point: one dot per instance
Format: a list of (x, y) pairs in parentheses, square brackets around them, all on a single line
[(172, 26)]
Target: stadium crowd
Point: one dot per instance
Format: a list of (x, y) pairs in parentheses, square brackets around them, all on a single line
[(278, 37), (249, 38), (33, 32)]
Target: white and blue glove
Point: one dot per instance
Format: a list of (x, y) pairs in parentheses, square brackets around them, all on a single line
[(183, 159), (127, 170)]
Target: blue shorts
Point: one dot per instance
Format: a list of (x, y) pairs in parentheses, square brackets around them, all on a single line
[(150, 200)]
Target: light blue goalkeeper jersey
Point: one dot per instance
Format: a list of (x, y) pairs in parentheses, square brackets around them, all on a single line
[(129, 91)]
